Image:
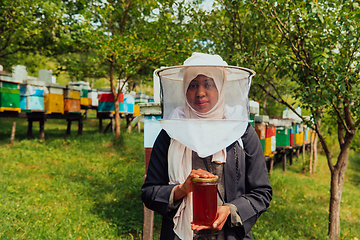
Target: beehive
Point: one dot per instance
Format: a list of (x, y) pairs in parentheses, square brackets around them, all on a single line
[(54, 103), (106, 102), (54, 99), (292, 138), (129, 103), (31, 103), (72, 105), (85, 101), (299, 138), (71, 94), (32, 98), (282, 136), (93, 98), (9, 96), (252, 119), (267, 151), (262, 141), (137, 111), (260, 128), (270, 140), (83, 88)]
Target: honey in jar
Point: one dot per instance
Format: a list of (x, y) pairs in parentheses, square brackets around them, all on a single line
[(204, 200)]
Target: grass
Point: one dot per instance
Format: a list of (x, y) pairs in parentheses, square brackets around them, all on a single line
[(299, 209), (88, 187), (77, 187)]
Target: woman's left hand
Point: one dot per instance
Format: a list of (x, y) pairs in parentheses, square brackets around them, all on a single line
[(222, 214)]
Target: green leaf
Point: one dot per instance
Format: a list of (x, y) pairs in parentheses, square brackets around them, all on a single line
[(343, 87)]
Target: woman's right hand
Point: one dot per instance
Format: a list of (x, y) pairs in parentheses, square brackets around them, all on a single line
[(184, 188)]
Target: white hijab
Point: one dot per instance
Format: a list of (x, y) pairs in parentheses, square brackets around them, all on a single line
[(180, 156), (219, 77)]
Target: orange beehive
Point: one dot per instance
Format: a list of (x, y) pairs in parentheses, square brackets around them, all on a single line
[(260, 128), (72, 105)]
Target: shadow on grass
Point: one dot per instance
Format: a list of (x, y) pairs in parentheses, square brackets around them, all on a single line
[(298, 209), (117, 200), (54, 129), (114, 184), (354, 164)]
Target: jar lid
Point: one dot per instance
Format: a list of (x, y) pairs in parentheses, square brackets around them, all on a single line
[(204, 179)]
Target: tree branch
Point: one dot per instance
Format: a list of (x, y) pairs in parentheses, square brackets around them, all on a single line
[(341, 119), (127, 9), (324, 145)]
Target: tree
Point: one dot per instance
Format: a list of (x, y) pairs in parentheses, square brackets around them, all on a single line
[(30, 27), (309, 49), (319, 51), (130, 37), (239, 36)]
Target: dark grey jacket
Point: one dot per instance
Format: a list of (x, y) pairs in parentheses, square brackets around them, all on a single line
[(246, 184)]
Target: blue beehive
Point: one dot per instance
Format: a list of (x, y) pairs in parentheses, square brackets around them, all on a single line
[(32, 98), (28, 90), (32, 103), (129, 102)]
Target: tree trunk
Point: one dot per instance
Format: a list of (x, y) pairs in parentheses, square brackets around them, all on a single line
[(337, 183), (117, 120), (264, 103), (311, 170), (315, 152), (334, 208), (337, 178), (13, 133), (304, 153), (116, 96)]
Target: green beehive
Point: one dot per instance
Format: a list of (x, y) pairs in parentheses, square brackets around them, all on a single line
[(252, 118), (12, 85), (282, 137), (262, 141), (9, 98), (84, 93)]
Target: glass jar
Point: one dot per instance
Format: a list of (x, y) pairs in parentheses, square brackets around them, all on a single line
[(204, 201)]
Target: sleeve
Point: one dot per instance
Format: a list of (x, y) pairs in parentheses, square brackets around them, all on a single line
[(156, 190), (256, 194), (234, 219)]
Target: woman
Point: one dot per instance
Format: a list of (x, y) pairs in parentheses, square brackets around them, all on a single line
[(208, 136)]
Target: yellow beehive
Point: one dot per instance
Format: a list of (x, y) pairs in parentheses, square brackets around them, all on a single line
[(72, 94), (308, 136), (54, 103), (136, 111), (267, 151), (84, 101), (300, 138)]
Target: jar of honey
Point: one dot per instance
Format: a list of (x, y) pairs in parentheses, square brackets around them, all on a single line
[(204, 200)]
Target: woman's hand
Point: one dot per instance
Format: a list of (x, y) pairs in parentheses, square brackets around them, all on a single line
[(222, 214), (182, 189)]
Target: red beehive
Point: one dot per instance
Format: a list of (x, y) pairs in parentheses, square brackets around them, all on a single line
[(108, 97)]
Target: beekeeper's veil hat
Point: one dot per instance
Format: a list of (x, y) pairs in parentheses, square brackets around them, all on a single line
[(233, 84)]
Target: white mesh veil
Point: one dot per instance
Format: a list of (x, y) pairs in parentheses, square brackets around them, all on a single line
[(236, 92), (206, 136)]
